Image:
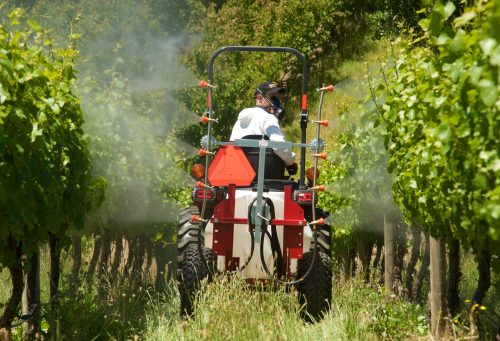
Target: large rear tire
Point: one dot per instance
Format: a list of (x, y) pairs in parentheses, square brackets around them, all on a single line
[(324, 240), (315, 291), (192, 272), (187, 232)]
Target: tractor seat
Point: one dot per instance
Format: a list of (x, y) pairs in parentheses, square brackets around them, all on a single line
[(275, 167)]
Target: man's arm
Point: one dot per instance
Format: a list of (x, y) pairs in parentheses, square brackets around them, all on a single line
[(275, 134)]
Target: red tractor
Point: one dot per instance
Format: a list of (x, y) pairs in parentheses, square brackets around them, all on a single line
[(251, 219)]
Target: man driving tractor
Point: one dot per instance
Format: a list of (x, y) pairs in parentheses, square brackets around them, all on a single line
[(263, 119)]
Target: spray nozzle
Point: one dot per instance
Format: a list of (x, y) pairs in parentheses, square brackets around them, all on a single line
[(205, 119), (203, 152), (320, 221), (196, 219), (320, 155), (204, 84), (326, 88), (201, 184), (320, 188), (324, 123)]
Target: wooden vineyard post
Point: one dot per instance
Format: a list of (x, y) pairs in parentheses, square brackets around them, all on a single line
[(31, 298), (437, 279), (388, 255)]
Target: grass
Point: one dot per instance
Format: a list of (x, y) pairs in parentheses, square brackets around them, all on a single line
[(228, 309)]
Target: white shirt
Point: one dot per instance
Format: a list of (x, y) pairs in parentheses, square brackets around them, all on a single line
[(257, 121)]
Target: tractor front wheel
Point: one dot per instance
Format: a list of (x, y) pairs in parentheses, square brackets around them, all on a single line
[(315, 291), (193, 271)]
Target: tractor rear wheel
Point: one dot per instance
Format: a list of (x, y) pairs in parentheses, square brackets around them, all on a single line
[(324, 240), (192, 272), (315, 291)]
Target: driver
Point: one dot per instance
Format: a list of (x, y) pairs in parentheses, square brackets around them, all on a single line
[(263, 119)]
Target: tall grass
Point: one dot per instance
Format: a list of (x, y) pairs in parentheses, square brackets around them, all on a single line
[(228, 309)]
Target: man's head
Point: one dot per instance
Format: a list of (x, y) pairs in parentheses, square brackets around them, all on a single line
[(267, 96)]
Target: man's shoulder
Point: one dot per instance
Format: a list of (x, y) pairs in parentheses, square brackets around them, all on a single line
[(254, 113), (254, 110)]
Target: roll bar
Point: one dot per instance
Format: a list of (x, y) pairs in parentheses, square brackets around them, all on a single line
[(304, 118)]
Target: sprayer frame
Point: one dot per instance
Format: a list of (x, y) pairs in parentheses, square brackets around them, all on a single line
[(304, 116)]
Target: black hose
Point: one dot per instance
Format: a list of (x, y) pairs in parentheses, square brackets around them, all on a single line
[(266, 269), (315, 251), (275, 243)]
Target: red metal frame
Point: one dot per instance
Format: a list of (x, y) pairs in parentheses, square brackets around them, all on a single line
[(244, 221), (293, 235), (222, 243), (293, 224)]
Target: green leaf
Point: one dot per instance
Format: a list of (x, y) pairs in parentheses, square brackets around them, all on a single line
[(424, 23), (487, 45), (464, 19), (495, 56), (35, 132), (458, 43), (440, 100), (480, 181), (495, 211), (495, 165), (439, 8), (413, 184), (436, 24), (455, 118), (488, 91), (444, 133), (19, 149), (4, 94), (443, 39), (448, 10), (42, 118), (475, 74)]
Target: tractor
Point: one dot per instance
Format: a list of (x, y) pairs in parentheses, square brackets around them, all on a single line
[(249, 219)]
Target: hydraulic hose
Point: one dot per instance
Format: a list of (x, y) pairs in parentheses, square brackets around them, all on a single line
[(266, 269), (262, 260), (275, 243)]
